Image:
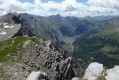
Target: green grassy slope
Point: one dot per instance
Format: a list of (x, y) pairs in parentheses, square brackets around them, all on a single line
[(101, 46), (10, 50)]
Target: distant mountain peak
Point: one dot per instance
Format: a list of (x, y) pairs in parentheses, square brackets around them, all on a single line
[(87, 17), (58, 15)]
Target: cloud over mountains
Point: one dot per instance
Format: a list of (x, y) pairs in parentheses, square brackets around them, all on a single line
[(65, 8)]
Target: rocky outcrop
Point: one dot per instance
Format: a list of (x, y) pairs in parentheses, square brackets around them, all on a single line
[(51, 59), (65, 70), (60, 66), (113, 74), (93, 71)]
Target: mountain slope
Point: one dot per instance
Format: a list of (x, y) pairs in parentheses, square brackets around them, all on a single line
[(87, 39), (101, 45)]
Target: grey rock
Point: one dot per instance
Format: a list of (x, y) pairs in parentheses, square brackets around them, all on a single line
[(93, 71), (112, 74)]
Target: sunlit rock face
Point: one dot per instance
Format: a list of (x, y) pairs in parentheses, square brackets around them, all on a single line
[(113, 74), (93, 71), (37, 76)]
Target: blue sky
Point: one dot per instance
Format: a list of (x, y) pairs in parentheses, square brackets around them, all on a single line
[(31, 1)]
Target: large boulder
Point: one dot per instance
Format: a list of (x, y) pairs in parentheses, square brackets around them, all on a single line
[(93, 71), (113, 74), (37, 76)]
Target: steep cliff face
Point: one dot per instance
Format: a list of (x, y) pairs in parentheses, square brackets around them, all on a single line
[(52, 27), (35, 55)]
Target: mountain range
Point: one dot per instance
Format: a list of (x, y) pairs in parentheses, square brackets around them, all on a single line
[(87, 39)]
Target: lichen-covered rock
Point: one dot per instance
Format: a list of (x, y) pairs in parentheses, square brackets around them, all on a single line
[(93, 71), (13, 71), (113, 74)]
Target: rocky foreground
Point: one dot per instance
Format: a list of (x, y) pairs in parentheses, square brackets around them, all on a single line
[(95, 71), (37, 59), (34, 58)]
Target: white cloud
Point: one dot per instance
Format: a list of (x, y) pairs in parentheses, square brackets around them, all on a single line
[(65, 8), (103, 6), (37, 2), (14, 6), (104, 3)]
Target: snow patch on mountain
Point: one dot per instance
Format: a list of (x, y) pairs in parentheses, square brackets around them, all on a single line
[(2, 33), (6, 26)]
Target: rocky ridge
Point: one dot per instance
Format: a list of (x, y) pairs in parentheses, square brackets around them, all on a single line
[(41, 56)]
